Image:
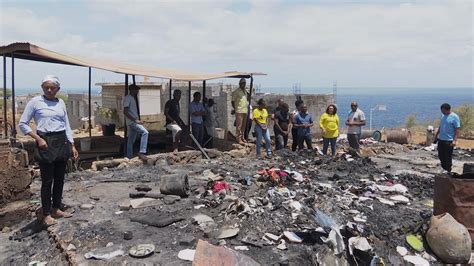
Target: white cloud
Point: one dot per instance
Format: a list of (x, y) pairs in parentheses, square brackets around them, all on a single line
[(289, 41)]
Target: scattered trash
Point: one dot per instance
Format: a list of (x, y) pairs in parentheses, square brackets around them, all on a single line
[(87, 206), (105, 253), (336, 240), (242, 248), (176, 184), (156, 219), (386, 201), (398, 188), (71, 247), (142, 250), (127, 235), (143, 202), (228, 232), (292, 237), (170, 199), (449, 240), (271, 237), (416, 260), (144, 188), (220, 186), (402, 251), (415, 242), (187, 254), (207, 254), (400, 198), (359, 243), (37, 263), (282, 245)]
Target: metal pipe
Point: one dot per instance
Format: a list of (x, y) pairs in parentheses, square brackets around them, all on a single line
[(90, 100), (13, 97), (189, 105), (125, 135), (5, 129), (203, 89), (171, 83)]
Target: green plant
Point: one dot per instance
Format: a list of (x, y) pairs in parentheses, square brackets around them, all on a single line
[(410, 121), (466, 115), (107, 115)]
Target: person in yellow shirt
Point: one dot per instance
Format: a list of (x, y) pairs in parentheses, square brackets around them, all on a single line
[(260, 117), (329, 124)]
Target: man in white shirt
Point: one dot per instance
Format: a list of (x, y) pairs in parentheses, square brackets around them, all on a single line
[(134, 124), (354, 123)]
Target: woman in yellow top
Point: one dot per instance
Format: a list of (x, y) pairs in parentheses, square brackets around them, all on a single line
[(329, 124), (260, 117)]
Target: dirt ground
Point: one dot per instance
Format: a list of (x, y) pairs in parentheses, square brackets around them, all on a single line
[(420, 137), (342, 188)]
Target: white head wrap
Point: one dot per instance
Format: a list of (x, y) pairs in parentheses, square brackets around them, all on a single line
[(51, 78)]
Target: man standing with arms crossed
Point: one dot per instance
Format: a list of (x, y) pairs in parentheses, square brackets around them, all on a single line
[(240, 105), (134, 124), (447, 136), (354, 123)]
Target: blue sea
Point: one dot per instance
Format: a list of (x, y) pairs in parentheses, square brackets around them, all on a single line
[(424, 103)]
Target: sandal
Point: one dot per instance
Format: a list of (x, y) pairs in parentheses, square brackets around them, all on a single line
[(57, 213)]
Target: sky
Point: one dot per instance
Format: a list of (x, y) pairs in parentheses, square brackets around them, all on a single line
[(373, 44)]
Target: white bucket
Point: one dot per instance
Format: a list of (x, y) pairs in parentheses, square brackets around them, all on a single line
[(86, 144)]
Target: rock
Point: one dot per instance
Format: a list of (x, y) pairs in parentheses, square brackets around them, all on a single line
[(207, 254), (143, 202), (385, 201), (205, 222), (400, 198), (282, 245), (222, 242), (271, 237), (449, 240), (71, 247), (292, 237), (359, 243), (156, 219), (87, 206), (187, 241), (416, 260), (228, 232), (137, 195), (170, 199), (124, 205), (144, 188), (187, 254), (242, 248)]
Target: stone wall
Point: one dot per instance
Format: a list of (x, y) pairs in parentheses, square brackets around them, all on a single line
[(15, 178)]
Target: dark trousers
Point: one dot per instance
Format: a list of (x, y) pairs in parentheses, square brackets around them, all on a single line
[(52, 175), (305, 138), (354, 141), (445, 154), (198, 132), (294, 134), (326, 142), (280, 139)]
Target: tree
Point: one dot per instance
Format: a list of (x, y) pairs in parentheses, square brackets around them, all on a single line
[(466, 115)]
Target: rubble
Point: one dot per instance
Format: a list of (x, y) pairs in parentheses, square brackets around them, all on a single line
[(292, 209)]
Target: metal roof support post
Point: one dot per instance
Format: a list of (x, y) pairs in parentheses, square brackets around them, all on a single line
[(203, 89), (171, 83), (5, 129), (136, 99), (189, 105), (13, 97), (89, 100), (249, 99), (125, 135)]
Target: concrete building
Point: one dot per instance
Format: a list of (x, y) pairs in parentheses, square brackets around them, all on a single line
[(153, 96), (78, 109)]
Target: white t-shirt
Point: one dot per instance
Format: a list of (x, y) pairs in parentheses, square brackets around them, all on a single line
[(130, 102), (356, 116)]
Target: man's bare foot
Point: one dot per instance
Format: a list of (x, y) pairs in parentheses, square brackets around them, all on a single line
[(48, 221), (39, 214), (57, 213)]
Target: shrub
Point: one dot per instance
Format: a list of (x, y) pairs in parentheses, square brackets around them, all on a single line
[(466, 115), (410, 121)]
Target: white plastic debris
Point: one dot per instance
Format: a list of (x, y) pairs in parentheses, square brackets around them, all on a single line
[(398, 188), (242, 248), (400, 198), (402, 251), (187, 254), (292, 237), (271, 237), (282, 245), (386, 201), (416, 260), (359, 243), (335, 238)]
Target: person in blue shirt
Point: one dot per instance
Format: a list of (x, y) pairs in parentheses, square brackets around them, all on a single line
[(197, 112), (303, 124), (447, 136), (54, 146)]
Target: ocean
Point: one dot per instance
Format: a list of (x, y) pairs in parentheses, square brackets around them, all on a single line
[(424, 103)]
